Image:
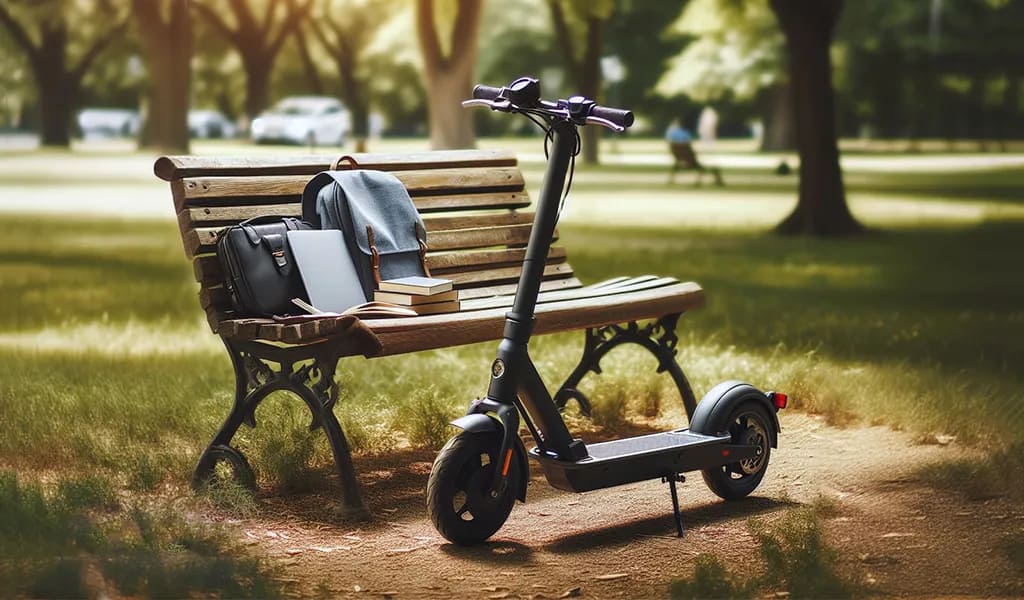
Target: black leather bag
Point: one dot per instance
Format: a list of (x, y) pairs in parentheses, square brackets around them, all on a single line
[(259, 271)]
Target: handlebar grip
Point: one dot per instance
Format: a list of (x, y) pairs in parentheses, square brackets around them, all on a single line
[(486, 92), (623, 118)]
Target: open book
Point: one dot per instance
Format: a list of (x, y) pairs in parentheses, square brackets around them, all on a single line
[(368, 310)]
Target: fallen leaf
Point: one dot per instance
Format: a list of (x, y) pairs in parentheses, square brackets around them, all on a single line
[(573, 593), (611, 576)]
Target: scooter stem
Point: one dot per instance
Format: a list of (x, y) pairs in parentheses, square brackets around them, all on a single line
[(520, 319)]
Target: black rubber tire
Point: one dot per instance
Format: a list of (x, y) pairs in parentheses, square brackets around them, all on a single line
[(462, 474), (748, 423)]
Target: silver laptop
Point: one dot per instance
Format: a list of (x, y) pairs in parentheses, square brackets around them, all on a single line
[(327, 269)]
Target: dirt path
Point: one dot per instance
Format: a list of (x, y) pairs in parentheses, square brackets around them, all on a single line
[(896, 536)]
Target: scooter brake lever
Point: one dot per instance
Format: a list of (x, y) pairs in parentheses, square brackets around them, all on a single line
[(605, 123), (502, 105)]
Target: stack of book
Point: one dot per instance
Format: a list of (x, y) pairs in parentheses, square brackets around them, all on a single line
[(423, 295)]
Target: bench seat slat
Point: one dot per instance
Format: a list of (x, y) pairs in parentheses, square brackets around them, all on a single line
[(585, 307), (398, 336), (641, 283), (176, 167), (194, 191), (211, 297)]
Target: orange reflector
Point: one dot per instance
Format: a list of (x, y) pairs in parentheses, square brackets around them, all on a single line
[(779, 399), (508, 460)]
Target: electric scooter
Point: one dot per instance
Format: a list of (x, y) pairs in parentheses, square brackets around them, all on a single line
[(479, 474)]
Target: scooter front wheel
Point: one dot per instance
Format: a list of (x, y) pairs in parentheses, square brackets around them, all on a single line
[(748, 425), (459, 497)]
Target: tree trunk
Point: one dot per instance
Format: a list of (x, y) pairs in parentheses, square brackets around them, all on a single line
[(1011, 108), (312, 74), (590, 85), (257, 84), (58, 89), (808, 26), (168, 49), (449, 79), (57, 98), (450, 126), (779, 129)]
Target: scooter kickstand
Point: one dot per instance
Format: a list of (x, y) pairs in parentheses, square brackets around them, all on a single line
[(672, 479)]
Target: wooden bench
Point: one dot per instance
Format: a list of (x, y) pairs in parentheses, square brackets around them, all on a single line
[(684, 158), (473, 203)]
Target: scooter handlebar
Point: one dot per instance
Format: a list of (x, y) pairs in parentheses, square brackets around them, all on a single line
[(618, 116), (525, 92), (486, 92)]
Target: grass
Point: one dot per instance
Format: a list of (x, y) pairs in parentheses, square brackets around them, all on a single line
[(107, 366), (76, 541), (796, 557), (995, 475)]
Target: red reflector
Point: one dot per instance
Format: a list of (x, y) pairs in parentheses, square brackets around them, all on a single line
[(725, 453), (779, 399)]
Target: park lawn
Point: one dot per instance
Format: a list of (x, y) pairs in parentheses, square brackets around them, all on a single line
[(110, 381), (106, 362)]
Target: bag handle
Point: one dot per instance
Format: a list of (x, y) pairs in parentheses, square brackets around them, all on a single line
[(290, 223), (336, 165)]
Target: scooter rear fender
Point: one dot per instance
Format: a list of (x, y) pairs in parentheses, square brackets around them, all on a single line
[(481, 423), (715, 407)]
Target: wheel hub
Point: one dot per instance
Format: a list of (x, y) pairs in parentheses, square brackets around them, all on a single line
[(754, 435)]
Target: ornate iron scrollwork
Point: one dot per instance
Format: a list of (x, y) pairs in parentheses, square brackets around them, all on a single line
[(306, 372), (659, 337)]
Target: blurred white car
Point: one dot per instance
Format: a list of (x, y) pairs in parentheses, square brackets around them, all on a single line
[(210, 124), (312, 120), (108, 122)]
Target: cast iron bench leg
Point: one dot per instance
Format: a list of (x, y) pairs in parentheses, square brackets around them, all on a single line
[(312, 381), (659, 337)]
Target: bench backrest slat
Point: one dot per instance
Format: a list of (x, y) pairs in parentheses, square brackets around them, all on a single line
[(221, 191), (170, 168), (470, 200)]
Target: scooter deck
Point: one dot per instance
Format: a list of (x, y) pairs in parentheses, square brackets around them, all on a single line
[(629, 460)]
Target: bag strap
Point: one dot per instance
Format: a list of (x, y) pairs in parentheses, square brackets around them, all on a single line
[(422, 239), (336, 165), (374, 255), (276, 243)]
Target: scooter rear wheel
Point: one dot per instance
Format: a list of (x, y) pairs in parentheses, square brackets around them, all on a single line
[(748, 425), (458, 498)]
